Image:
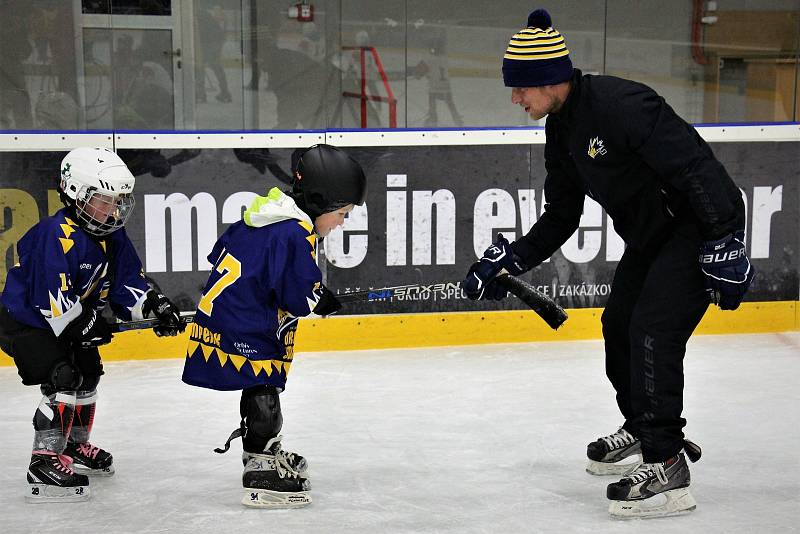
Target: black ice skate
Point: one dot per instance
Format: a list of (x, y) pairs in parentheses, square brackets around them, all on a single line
[(90, 460), (653, 490), (52, 480), (607, 455), (270, 481), (297, 462)]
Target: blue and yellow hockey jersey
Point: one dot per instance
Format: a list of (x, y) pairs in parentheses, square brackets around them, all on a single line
[(264, 277), (62, 269)]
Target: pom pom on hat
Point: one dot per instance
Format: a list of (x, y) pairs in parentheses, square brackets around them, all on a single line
[(540, 19)]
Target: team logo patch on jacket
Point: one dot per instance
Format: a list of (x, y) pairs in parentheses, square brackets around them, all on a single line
[(596, 147)]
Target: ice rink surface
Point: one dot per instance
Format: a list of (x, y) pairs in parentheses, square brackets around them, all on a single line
[(459, 439)]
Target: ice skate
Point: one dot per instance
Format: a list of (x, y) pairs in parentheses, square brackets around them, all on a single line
[(617, 454), (297, 462), (653, 490), (90, 460), (52, 480), (270, 482)]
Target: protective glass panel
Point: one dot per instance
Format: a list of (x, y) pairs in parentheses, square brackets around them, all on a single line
[(38, 87), (729, 62), (455, 54), (219, 100), (129, 79), (371, 66), (289, 62)]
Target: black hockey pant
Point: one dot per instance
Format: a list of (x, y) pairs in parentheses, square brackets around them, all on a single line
[(656, 302)]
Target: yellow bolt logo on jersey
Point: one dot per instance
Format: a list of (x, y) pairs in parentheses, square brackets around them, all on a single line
[(596, 147)]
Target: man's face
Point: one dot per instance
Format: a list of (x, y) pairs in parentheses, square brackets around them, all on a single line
[(333, 219), (536, 101)]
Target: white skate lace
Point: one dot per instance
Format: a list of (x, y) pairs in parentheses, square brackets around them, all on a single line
[(283, 467), (287, 457), (618, 439), (645, 471)]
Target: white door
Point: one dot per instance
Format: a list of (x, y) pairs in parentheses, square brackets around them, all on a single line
[(132, 65)]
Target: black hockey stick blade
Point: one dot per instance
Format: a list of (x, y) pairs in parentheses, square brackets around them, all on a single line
[(553, 314), (145, 323)]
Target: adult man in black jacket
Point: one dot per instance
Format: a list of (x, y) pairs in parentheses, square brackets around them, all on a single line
[(619, 142)]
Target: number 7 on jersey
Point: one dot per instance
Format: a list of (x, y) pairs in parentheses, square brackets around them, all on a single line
[(231, 270)]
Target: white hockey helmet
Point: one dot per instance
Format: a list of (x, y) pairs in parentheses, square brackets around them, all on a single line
[(98, 184)]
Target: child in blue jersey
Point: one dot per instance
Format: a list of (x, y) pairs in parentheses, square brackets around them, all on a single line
[(264, 278), (70, 266)]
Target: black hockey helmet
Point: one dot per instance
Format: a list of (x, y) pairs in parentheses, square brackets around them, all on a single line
[(326, 179)]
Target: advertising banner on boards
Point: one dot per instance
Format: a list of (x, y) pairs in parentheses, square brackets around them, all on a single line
[(429, 213)]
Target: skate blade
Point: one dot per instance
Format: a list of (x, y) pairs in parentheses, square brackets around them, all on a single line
[(260, 498), (673, 502), (83, 470), (40, 493), (603, 468)]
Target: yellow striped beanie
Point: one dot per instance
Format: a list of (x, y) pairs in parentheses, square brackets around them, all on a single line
[(536, 55)]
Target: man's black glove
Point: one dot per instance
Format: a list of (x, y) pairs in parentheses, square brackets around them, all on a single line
[(89, 329), (728, 272), (328, 303), (169, 319), (479, 283)]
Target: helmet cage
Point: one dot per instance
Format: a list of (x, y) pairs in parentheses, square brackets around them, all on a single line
[(101, 213)]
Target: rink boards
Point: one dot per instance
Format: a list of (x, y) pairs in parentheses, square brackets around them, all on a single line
[(436, 199)]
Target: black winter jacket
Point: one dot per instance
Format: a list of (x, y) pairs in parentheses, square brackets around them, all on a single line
[(620, 143)]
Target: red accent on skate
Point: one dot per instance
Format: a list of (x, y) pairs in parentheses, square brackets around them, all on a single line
[(88, 450), (91, 407)]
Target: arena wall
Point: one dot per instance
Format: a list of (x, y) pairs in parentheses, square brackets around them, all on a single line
[(436, 199)]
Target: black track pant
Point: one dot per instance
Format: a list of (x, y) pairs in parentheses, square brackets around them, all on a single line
[(656, 302)]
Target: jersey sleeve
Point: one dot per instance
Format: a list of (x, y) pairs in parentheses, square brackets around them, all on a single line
[(128, 284), (52, 291), (562, 210), (297, 281), (677, 153)]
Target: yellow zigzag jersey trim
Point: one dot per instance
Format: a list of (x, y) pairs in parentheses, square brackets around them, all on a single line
[(54, 308), (67, 229), (312, 237), (533, 44), (210, 352), (66, 244)]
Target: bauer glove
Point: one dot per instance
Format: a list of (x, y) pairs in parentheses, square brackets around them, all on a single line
[(480, 283), (728, 272), (89, 329), (169, 319), (327, 304)]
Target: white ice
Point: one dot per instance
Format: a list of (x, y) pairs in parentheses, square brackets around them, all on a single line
[(459, 439)]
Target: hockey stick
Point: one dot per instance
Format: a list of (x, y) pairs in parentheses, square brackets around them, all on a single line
[(553, 314), (145, 323)]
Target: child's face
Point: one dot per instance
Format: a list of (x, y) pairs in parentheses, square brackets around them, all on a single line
[(101, 207), (331, 220)]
